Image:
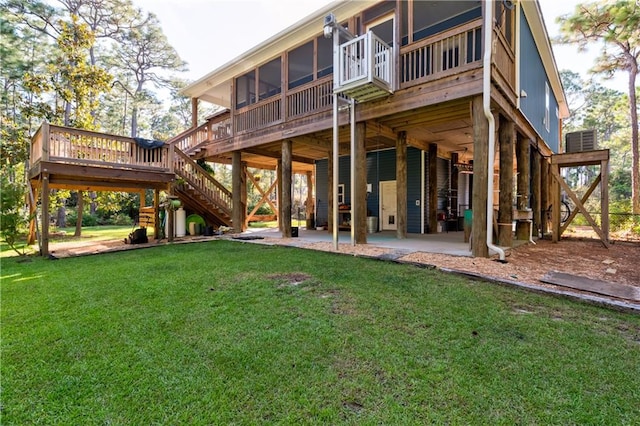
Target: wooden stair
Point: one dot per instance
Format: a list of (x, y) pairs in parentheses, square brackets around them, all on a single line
[(200, 192)]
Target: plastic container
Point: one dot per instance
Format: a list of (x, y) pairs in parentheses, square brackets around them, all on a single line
[(181, 221)]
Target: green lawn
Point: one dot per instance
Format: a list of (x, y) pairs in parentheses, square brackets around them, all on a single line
[(227, 332)]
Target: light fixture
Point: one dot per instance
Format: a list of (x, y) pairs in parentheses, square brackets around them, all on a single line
[(523, 94)]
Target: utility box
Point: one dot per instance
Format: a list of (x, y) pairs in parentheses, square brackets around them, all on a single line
[(584, 140)]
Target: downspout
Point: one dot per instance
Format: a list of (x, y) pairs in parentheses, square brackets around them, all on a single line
[(486, 105)]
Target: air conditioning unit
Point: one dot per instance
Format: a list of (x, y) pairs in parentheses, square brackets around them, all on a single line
[(584, 140)]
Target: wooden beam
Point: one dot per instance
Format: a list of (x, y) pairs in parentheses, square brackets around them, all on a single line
[(271, 154), (545, 194), (580, 206), (44, 205), (523, 180), (536, 191), (359, 205), (286, 189), (194, 112), (586, 158), (432, 191), (480, 179), (156, 215), (310, 202), (236, 190), (505, 212), (604, 198), (401, 184), (554, 170), (584, 199)]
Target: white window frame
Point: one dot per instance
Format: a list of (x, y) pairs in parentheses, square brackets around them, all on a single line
[(547, 116)]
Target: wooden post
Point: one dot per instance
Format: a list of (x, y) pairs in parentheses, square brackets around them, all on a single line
[(544, 194), (505, 212), (286, 189), (401, 184), (453, 178), (330, 199), (194, 112), (156, 214), (279, 191), (243, 195), (432, 192), (236, 188), (480, 179), (359, 205), (524, 176), (555, 205), (604, 199), (310, 204), (45, 213), (536, 192)]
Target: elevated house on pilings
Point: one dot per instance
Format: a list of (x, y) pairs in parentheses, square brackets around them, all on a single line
[(418, 113), (420, 144)]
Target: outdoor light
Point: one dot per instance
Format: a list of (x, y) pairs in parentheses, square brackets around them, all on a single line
[(329, 23)]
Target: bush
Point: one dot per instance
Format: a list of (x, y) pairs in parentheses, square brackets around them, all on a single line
[(87, 219), (263, 210), (120, 219)]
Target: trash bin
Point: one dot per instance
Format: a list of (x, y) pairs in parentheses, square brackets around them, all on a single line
[(294, 231), (468, 220), (372, 224)]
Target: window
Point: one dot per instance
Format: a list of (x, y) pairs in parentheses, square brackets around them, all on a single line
[(325, 56), (546, 106), (301, 65), (432, 17), (246, 89), (269, 76)]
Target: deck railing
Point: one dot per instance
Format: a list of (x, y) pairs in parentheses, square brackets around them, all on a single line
[(202, 181), (264, 113), (212, 130), (312, 97), (443, 54), (76, 146)]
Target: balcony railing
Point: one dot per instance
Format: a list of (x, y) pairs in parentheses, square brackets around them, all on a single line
[(215, 129), (262, 114), (365, 69), (76, 146), (443, 54)]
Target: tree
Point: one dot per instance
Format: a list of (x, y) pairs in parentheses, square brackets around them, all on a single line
[(615, 23), (145, 56)]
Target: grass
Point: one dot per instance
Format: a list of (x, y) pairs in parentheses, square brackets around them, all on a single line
[(227, 332)]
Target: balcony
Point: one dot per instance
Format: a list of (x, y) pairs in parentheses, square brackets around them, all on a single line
[(365, 69)]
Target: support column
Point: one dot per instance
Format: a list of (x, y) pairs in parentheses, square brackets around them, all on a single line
[(279, 192), (555, 205), (359, 205), (480, 179), (194, 112), (536, 192), (604, 199), (545, 195), (286, 189), (156, 214), (505, 213), (45, 214), (524, 177), (401, 183), (330, 200), (237, 216), (432, 192), (310, 204)]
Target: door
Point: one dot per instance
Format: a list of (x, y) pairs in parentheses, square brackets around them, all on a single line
[(388, 206)]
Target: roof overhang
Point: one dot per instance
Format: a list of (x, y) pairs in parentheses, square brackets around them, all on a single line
[(534, 16), (215, 87)]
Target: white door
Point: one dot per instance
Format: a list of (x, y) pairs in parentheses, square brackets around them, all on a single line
[(388, 206)]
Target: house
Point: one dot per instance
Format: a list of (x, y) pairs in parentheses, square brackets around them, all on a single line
[(414, 80), (404, 115)]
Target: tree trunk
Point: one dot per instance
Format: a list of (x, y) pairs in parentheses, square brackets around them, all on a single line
[(635, 153), (80, 206)]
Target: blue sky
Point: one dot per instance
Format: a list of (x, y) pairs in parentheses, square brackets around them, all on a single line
[(210, 33)]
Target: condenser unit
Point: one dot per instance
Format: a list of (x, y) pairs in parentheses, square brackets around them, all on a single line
[(584, 140)]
